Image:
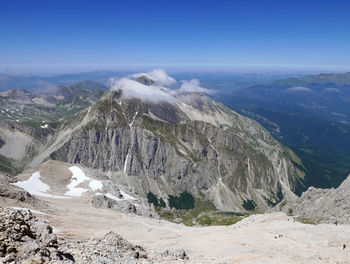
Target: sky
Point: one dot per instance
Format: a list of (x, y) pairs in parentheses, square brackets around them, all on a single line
[(247, 34)]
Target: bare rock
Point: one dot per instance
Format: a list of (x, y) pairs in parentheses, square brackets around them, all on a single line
[(125, 206), (26, 239)]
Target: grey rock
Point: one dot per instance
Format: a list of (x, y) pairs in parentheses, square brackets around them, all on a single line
[(141, 208), (26, 239), (112, 248), (200, 146), (320, 205)]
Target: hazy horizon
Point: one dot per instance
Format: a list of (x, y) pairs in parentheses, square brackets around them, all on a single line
[(243, 70)]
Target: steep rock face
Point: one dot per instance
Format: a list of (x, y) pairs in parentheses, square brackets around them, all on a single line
[(193, 144), (320, 205)]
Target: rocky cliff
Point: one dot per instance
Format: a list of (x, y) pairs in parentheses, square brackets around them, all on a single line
[(318, 205), (189, 143)]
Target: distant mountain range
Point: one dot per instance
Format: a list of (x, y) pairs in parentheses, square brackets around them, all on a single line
[(310, 114), (43, 83), (221, 81)]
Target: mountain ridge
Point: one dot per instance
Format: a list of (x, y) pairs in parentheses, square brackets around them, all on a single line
[(166, 146)]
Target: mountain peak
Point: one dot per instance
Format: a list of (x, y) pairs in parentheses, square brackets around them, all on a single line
[(143, 79)]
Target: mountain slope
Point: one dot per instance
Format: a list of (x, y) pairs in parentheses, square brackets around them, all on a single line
[(191, 144), (27, 119), (320, 205), (309, 114)]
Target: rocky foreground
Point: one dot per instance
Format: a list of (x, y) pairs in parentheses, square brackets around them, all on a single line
[(26, 239), (102, 226)]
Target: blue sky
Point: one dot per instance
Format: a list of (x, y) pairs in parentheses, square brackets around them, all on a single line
[(216, 34)]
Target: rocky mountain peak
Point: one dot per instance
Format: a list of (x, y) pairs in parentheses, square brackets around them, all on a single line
[(143, 79)]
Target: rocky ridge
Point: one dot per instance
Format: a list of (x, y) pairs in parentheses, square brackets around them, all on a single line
[(318, 205)]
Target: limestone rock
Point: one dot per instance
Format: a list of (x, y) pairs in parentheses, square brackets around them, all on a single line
[(320, 205)]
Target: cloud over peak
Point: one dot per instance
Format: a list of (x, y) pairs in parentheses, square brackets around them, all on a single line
[(159, 76), (159, 90)]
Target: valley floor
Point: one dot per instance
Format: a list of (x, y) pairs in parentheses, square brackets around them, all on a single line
[(263, 238)]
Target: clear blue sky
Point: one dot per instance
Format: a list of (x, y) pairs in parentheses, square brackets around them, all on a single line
[(311, 34)]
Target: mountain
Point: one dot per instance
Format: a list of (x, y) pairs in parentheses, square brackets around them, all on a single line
[(318, 80), (142, 151), (33, 108), (27, 118), (189, 145), (44, 83), (310, 115)]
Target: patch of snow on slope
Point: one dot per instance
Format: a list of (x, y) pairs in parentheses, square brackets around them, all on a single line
[(78, 178), (113, 197), (36, 187), (127, 196), (95, 185), (133, 120)]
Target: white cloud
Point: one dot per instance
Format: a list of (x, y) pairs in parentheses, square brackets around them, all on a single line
[(299, 89), (157, 91), (134, 89), (193, 86), (159, 76)]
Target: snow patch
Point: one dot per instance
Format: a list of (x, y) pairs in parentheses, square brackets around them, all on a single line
[(132, 122), (36, 187), (127, 196), (78, 178), (95, 185), (113, 197), (124, 194)]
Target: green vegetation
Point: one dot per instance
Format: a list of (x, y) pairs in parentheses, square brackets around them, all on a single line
[(218, 218), (152, 199), (273, 201), (305, 220), (169, 132), (1, 142), (290, 211), (204, 213), (162, 203), (7, 167), (249, 205), (184, 201), (283, 204), (315, 124)]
